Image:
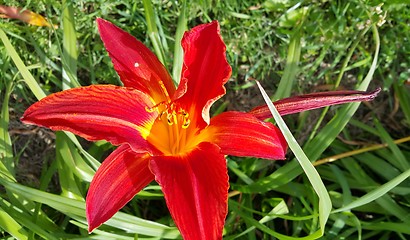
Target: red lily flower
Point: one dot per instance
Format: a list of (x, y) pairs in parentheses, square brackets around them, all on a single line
[(165, 134)]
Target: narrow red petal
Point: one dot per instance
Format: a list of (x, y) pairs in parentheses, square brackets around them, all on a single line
[(122, 175), (112, 113), (205, 70), (136, 65), (313, 101), (195, 186), (241, 134)]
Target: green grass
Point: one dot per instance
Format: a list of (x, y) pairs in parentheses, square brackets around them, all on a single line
[(291, 47)]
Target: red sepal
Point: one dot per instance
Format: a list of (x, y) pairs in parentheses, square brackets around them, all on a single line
[(122, 175), (195, 187)]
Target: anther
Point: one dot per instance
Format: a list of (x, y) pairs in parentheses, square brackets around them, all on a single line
[(170, 119), (186, 123)]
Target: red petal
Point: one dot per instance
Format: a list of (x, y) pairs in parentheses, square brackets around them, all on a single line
[(137, 66), (204, 72), (122, 175), (312, 101), (195, 186), (112, 113), (241, 134)]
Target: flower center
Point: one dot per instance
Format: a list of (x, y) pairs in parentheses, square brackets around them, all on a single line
[(172, 113), (172, 132)]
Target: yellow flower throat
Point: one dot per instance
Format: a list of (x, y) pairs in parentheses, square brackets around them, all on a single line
[(172, 132)]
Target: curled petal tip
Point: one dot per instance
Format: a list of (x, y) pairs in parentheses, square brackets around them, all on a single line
[(374, 94), (313, 101)]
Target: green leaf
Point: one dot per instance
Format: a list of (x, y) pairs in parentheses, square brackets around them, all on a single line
[(325, 205), (28, 78), (153, 32), (6, 152), (76, 210), (69, 53), (178, 51), (11, 226), (375, 194), (291, 68)]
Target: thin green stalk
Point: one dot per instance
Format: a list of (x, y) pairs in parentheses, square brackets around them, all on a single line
[(6, 152), (178, 51), (291, 68), (28, 78), (69, 51), (153, 32)]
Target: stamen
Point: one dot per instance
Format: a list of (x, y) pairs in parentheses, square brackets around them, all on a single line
[(169, 119), (186, 123), (186, 120), (155, 107), (164, 89), (173, 113)]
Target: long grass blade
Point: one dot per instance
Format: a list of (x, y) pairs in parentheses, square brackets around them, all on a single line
[(76, 210), (291, 68), (12, 226), (6, 152), (69, 52), (325, 204), (28, 78), (153, 32), (178, 51), (375, 194)]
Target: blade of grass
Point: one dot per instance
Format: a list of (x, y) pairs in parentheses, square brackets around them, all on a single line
[(67, 181), (403, 96), (26, 219), (73, 160), (12, 226), (280, 209), (361, 177), (178, 51), (38, 91), (399, 160), (6, 152), (375, 194), (28, 78), (69, 52), (76, 209), (291, 68), (339, 223), (277, 235), (153, 33), (325, 205)]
